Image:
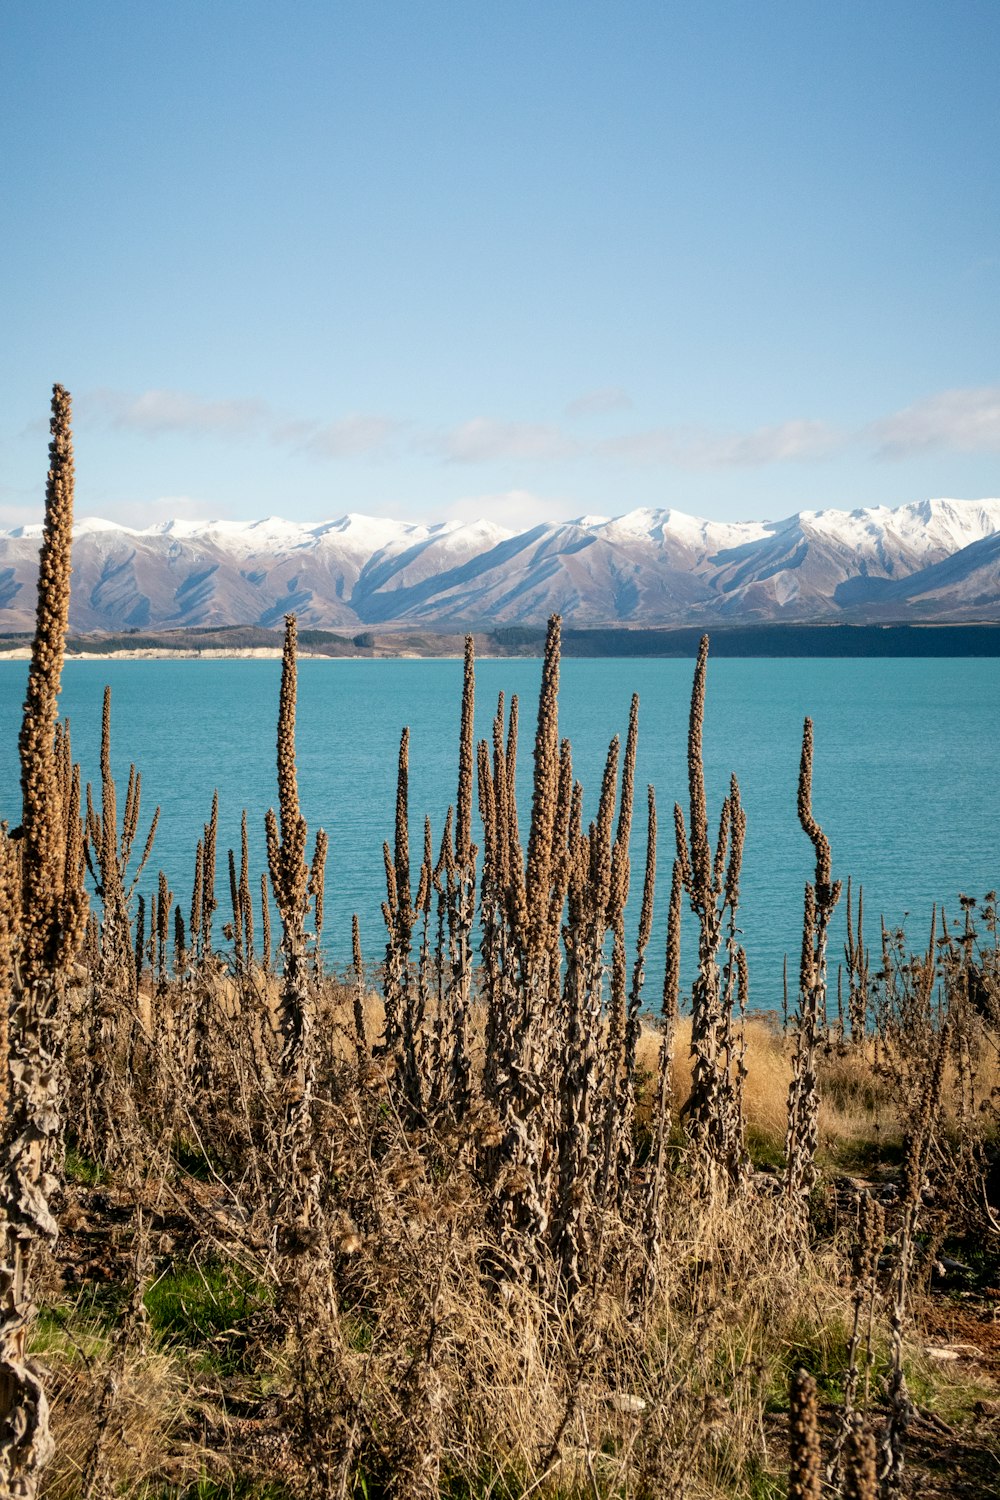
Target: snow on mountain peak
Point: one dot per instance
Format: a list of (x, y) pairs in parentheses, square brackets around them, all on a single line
[(923, 526)]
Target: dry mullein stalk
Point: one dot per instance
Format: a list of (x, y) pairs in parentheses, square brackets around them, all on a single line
[(236, 926), (590, 899), (805, 1471), (10, 911), (432, 1062), (860, 1481), (286, 846), (660, 1132), (196, 896), (208, 901), (617, 1083), (115, 982), (245, 902), (51, 924), (543, 804), (164, 903), (140, 937), (317, 878), (711, 881), (460, 901), (633, 1022), (521, 988), (856, 955), (361, 1049), (821, 897), (265, 926), (496, 945), (180, 943), (404, 999)]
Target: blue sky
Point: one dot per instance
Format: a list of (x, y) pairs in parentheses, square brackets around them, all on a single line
[(430, 259)]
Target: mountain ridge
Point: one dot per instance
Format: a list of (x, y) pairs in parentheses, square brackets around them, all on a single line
[(937, 559)]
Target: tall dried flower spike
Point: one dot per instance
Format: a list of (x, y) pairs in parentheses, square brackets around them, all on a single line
[(821, 896), (466, 757), (700, 850), (805, 1473), (544, 797), (286, 843), (265, 925), (208, 901), (51, 926), (317, 881), (246, 903), (819, 840), (714, 1107), (860, 1470)]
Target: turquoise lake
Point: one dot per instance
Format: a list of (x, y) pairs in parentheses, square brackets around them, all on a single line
[(906, 771)]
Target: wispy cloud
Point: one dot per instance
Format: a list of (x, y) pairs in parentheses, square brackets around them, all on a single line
[(482, 440), (698, 448), (596, 403), (787, 442), (161, 413), (352, 436), (962, 421), (966, 421)]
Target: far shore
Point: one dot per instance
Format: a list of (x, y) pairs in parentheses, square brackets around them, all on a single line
[(790, 640)]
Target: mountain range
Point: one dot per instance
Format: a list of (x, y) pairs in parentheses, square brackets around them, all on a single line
[(933, 560)]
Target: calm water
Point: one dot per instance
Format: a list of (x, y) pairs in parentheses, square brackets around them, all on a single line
[(907, 769)]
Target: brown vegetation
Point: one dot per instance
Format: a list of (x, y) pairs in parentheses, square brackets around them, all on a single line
[(472, 1223)]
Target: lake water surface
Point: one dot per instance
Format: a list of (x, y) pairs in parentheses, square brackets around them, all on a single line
[(906, 771)]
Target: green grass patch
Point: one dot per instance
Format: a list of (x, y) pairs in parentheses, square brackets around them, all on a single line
[(61, 1335), (766, 1150), (949, 1390), (824, 1352), (193, 1159), (82, 1170), (213, 1309), (862, 1154), (79, 1330)]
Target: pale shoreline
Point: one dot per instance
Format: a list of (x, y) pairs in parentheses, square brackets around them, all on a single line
[(211, 653)]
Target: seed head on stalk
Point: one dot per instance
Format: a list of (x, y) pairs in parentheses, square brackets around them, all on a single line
[(48, 928)]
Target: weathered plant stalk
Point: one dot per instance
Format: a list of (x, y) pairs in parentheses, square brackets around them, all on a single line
[(286, 846), (713, 1111), (51, 925), (821, 896)]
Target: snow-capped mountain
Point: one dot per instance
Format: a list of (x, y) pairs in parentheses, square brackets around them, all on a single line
[(935, 559)]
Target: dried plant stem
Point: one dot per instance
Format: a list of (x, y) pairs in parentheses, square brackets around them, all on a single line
[(286, 845), (51, 925), (713, 1112), (821, 896)]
